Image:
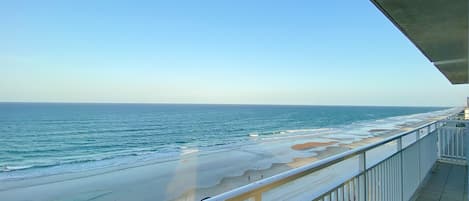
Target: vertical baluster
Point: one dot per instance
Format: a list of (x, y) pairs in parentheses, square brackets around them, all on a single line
[(453, 150), (353, 187), (394, 167), (400, 181), (368, 186), (449, 142), (438, 142), (441, 138), (418, 153), (337, 194), (391, 179), (388, 179), (451, 153), (446, 142), (384, 180), (456, 144), (443, 141), (357, 188), (376, 186), (373, 183), (361, 187), (395, 176), (391, 170), (462, 146), (459, 144), (453, 144), (380, 181), (342, 193), (347, 191)]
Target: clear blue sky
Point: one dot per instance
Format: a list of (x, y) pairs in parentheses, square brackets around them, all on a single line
[(219, 51)]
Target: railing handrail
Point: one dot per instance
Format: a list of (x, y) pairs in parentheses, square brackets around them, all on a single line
[(297, 172)]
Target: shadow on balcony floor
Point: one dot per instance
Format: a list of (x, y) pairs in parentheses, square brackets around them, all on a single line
[(447, 182)]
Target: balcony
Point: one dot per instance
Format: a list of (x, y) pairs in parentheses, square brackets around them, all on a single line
[(427, 163), (447, 182)]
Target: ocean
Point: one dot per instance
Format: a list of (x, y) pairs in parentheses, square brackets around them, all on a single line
[(39, 139)]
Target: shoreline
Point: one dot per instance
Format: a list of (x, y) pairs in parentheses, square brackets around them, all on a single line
[(196, 175), (229, 183)]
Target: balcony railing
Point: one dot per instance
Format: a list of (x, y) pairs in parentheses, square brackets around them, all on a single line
[(451, 142), (389, 170)]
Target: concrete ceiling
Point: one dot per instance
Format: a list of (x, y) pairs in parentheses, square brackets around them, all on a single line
[(439, 28)]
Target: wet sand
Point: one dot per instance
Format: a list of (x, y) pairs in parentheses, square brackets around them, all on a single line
[(250, 176), (310, 145), (378, 130), (212, 173)]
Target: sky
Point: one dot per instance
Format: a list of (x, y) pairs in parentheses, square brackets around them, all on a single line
[(303, 52)]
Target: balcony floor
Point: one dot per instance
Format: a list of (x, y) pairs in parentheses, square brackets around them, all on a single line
[(447, 182)]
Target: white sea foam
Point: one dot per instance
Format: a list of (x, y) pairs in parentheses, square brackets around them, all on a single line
[(283, 139), (358, 130), (254, 134), (12, 168), (188, 151)]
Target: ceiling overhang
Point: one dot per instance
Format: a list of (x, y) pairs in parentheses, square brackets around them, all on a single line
[(439, 28)]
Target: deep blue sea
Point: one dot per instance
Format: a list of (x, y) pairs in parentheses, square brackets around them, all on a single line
[(40, 135)]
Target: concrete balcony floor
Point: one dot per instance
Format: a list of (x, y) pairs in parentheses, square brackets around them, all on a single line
[(447, 182)]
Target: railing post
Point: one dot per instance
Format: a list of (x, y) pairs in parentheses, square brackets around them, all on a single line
[(466, 141), (418, 152), (438, 140), (466, 152)]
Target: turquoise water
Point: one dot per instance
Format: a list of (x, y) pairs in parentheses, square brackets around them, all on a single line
[(66, 137)]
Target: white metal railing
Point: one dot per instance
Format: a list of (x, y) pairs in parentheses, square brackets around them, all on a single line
[(451, 142), (389, 170)]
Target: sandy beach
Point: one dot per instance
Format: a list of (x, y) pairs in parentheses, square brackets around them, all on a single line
[(195, 175)]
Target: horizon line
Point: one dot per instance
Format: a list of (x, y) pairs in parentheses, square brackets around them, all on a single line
[(185, 103)]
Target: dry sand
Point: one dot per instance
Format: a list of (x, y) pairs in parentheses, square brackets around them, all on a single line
[(250, 176), (174, 180), (310, 145)]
